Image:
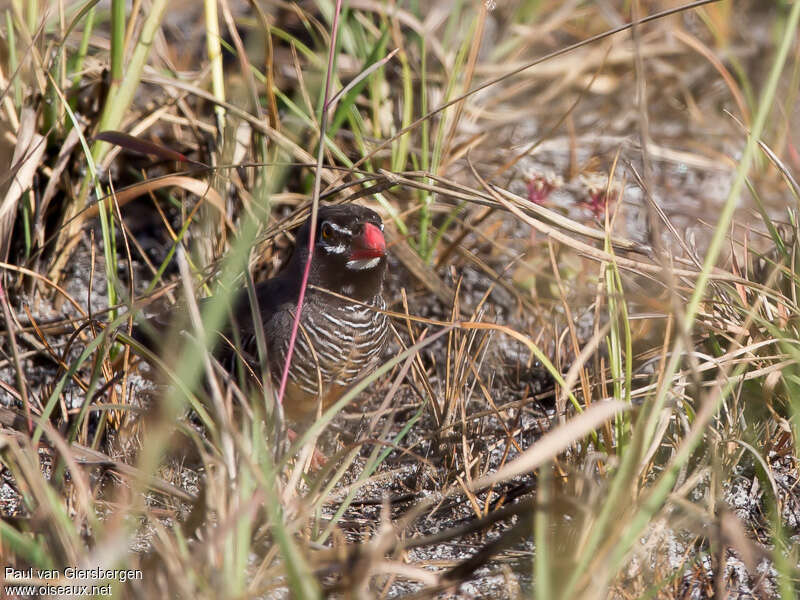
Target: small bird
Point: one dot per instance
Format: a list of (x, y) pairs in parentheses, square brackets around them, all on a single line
[(341, 334)]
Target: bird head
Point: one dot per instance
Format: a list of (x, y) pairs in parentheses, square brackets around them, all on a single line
[(349, 250)]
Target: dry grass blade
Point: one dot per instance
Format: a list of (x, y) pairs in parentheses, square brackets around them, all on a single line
[(779, 164), (555, 442), (90, 457), (279, 138), (501, 198), (25, 161), (201, 189), (146, 147), (359, 78), (401, 249), (563, 223)]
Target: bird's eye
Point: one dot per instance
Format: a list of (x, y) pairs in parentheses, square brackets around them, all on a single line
[(327, 231)]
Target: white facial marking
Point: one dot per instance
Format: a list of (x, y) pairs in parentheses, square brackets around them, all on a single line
[(363, 263), (339, 228), (339, 249)]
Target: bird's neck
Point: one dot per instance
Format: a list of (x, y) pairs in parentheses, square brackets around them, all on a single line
[(362, 286)]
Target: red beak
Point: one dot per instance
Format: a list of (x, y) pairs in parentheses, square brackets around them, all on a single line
[(370, 243)]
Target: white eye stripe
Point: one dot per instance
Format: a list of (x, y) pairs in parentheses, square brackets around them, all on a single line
[(339, 228)]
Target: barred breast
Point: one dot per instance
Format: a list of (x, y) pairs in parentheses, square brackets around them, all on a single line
[(338, 343)]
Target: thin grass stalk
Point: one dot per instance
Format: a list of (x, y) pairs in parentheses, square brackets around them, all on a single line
[(343, 103), (780, 245), (357, 129), (619, 336), (448, 221), (29, 39), (476, 37), (214, 50), (314, 60), (784, 562), (80, 421), (23, 388), (344, 159), (794, 267), (315, 203), (52, 116), (400, 151), (379, 83), (224, 442), (31, 14), (615, 299), (13, 63), (423, 246), (83, 48), (346, 39), (34, 551), (27, 219), (426, 125), (117, 41), (60, 63), (264, 184), (626, 324), (301, 581), (109, 252), (542, 567), (790, 375), (245, 488)]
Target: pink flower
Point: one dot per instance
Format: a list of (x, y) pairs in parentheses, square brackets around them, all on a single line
[(540, 185), (599, 197)]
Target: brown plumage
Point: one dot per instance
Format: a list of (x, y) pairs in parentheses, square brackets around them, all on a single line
[(339, 340)]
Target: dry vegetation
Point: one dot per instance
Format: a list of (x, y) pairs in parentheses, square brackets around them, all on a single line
[(595, 382)]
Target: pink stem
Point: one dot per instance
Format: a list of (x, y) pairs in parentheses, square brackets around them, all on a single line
[(315, 203)]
